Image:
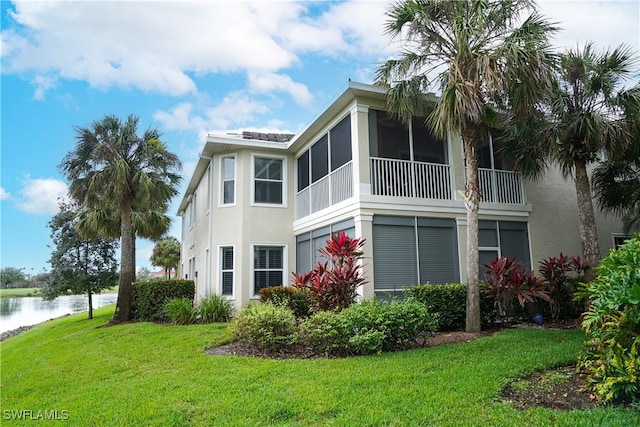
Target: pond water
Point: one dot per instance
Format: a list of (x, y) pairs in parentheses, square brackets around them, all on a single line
[(16, 312)]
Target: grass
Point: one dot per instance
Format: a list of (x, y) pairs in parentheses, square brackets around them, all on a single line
[(149, 374), (19, 292)]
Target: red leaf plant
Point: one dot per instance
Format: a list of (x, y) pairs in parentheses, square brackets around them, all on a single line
[(508, 280), (333, 285)]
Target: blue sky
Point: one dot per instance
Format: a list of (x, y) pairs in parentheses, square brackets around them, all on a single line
[(190, 69)]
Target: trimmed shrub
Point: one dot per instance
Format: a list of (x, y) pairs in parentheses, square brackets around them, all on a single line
[(148, 298), (611, 356), (372, 326), (288, 296), (215, 308), (448, 303), (266, 326), (179, 311)]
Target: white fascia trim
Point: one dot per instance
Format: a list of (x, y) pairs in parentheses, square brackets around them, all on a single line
[(327, 214)]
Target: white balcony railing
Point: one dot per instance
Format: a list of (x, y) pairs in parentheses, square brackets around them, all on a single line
[(403, 178), (327, 191), (498, 186)]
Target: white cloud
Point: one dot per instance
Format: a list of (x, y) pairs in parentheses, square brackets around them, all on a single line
[(158, 46), (269, 82), (4, 194), (606, 23), (40, 196)]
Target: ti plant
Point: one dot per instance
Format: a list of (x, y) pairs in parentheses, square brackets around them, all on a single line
[(508, 280)]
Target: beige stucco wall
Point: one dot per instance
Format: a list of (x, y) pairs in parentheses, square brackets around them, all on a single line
[(554, 222)]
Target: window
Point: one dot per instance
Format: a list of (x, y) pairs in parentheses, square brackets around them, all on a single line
[(268, 267), (391, 139), (308, 244), (268, 180), (487, 153), (408, 251), (320, 159), (228, 180), (502, 238), (619, 240), (303, 171), (226, 269), (340, 137)]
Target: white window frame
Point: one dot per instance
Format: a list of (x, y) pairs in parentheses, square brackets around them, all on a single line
[(285, 259), (221, 202), (284, 180), (615, 236), (222, 270)]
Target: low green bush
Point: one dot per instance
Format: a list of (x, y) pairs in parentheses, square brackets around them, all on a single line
[(611, 356), (372, 326), (215, 308), (148, 298), (267, 326), (297, 300), (447, 302), (179, 311)]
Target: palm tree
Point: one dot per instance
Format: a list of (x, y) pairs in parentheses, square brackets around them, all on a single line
[(616, 184), (166, 254), (111, 162), (586, 112), (480, 56)]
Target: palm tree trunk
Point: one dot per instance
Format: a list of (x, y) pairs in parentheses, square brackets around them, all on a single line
[(588, 230), (472, 203), (86, 277), (123, 305)]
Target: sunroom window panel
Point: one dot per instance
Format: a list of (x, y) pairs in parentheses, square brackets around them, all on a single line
[(392, 137), (320, 159), (303, 171), (426, 146), (341, 143)]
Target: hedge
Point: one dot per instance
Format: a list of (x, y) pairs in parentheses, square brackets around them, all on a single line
[(148, 298), (447, 302)]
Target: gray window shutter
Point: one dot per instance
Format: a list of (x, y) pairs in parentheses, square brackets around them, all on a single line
[(303, 253), (514, 241), (394, 254), (438, 249)]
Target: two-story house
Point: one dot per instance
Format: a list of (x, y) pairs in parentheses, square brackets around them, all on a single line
[(259, 206)]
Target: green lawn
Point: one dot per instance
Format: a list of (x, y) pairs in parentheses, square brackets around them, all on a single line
[(148, 374), (19, 292)]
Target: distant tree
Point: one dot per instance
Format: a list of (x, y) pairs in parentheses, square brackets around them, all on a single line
[(79, 265), (39, 280), (143, 274), (166, 254), (13, 277), (116, 175)]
